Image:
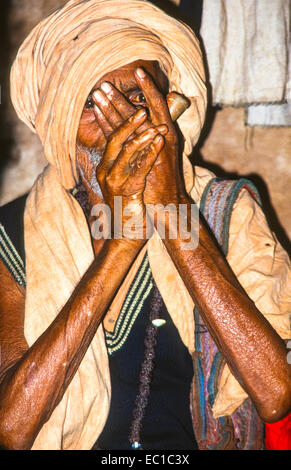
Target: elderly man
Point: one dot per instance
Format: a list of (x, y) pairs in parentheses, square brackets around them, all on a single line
[(98, 338)]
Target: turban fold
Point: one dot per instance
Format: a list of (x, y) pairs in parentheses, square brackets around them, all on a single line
[(51, 78)]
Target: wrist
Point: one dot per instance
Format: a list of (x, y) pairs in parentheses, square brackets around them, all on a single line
[(124, 245), (179, 222)]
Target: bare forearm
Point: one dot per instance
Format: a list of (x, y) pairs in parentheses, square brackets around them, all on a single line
[(31, 390), (254, 351)]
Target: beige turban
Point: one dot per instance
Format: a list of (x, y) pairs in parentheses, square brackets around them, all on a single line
[(54, 72)]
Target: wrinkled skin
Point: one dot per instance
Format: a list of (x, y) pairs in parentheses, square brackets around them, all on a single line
[(142, 169)]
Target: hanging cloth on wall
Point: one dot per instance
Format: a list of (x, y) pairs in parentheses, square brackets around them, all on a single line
[(247, 47)]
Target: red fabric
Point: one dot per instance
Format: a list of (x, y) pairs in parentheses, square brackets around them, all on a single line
[(278, 435)]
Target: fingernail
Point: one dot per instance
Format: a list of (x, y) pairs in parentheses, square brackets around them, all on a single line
[(141, 113), (98, 95), (158, 139), (163, 129), (106, 87), (140, 73)]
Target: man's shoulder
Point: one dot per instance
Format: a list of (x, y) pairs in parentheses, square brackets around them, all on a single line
[(202, 176), (239, 188)]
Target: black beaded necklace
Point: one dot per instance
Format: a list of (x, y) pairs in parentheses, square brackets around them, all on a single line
[(146, 371)]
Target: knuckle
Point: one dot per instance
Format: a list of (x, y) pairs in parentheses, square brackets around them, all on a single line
[(100, 172), (119, 99), (111, 141), (99, 178), (127, 147), (105, 103), (108, 181), (158, 101), (152, 149), (111, 138), (120, 102)]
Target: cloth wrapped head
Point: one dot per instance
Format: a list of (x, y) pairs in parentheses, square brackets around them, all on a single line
[(52, 76), (67, 53)]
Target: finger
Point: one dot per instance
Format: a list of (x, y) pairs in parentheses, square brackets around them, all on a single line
[(119, 137), (124, 107), (107, 108), (118, 100), (146, 163), (154, 98), (102, 122), (137, 144), (116, 141)]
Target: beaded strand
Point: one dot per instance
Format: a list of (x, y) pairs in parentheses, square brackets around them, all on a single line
[(147, 367)]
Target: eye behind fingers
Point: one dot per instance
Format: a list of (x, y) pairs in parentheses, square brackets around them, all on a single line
[(137, 98), (89, 102)]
